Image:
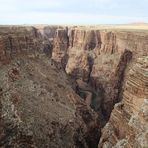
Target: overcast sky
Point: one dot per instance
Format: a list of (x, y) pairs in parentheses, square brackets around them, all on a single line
[(73, 11)]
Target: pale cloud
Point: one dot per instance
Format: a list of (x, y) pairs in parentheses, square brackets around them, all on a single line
[(22, 5), (64, 18), (71, 11), (41, 3), (101, 1)]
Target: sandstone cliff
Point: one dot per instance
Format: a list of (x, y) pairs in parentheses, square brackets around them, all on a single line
[(128, 124), (18, 40)]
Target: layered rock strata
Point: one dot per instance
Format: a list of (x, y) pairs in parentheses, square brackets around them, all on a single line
[(100, 57), (18, 40), (128, 124)]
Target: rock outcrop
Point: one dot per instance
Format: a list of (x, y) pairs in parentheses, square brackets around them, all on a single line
[(40, 109), (60, 44), (128, 124), (18, 40)]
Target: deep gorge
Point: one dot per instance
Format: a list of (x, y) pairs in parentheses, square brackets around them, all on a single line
[(59, 86)]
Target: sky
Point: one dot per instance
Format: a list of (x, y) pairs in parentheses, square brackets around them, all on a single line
[(73, 11)]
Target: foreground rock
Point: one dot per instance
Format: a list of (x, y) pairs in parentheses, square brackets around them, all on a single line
[(128, 124), (40, 109)]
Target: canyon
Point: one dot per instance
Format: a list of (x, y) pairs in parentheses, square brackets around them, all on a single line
[(73, 86)]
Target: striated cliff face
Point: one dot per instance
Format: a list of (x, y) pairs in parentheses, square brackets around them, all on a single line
[(19, 41), (60, 46), (128, 124), (62, 83)]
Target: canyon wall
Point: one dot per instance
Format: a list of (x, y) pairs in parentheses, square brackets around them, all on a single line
[(18, 40), (128, 124)]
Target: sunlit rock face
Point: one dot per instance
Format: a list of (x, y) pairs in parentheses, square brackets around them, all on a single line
[(61, 44), (59, 86), (18, 40), (128, 124)]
